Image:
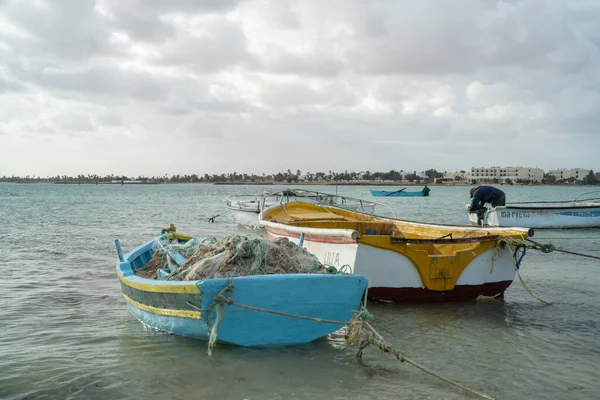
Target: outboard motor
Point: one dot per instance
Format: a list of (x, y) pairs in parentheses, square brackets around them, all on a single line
[(481, 215)]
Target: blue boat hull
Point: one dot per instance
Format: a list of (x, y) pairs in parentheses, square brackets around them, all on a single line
[(184, 307), (383, 193)]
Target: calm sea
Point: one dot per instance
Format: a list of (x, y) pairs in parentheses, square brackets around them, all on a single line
[(66, 332)]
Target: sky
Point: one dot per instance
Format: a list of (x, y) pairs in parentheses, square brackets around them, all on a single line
[(154, 87)]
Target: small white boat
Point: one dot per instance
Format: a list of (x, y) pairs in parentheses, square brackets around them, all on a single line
[(246, 209), (551, 214)]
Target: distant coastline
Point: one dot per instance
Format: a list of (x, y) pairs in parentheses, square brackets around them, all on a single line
[(330, 178), (302, 183)]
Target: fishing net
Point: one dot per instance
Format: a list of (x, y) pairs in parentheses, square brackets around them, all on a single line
[(233, 256), (150, 270)]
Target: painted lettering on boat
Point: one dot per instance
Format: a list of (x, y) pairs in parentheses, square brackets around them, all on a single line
[(331, 258), (514, 214)]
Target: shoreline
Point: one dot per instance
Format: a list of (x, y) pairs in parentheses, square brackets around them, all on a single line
[(271, 183)]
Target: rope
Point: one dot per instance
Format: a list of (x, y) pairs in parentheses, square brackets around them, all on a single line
[(373, 337), (233, 303), (578, 254), (517, 264), (549, 248), (566, 238), (360, 333), (213, 332)]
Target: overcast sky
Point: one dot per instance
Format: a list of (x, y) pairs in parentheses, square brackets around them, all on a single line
[(210, 86)]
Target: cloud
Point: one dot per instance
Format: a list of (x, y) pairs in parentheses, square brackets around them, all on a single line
[(10, 86), (74, 122), (205, 129), (277, 94), (210, 45), (426, 84), (108, 80), (110, 120), (66, 30), (317, 63), (191, 5), (143, 20)]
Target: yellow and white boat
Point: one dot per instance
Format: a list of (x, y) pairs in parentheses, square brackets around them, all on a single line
[(403, 260)]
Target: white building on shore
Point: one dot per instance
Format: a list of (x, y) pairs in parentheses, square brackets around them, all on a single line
[(502, 174), (456, 176), (565, 173)]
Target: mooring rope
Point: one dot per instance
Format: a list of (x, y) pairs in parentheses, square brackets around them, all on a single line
[(566, 238), (516, 264), (360, 333), (549, 248), (212, 339), (373, 337), (233, 303)]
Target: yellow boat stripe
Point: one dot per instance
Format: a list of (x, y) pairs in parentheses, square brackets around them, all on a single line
[(147, 287), (164, 311)]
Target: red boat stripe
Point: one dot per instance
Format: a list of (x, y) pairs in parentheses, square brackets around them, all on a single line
[(312, 238), (460, 292)]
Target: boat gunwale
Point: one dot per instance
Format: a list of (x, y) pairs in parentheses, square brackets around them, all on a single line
[(465, 228), (257, 211), (126, 274), (345, 233)]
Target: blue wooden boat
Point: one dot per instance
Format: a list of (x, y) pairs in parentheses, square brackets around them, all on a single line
[(401, 193), (188, 308)]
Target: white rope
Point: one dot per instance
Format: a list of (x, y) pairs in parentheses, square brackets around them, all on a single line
[(212, 339)]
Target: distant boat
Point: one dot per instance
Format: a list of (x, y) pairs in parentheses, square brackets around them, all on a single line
[(542, 214), (126, 181), (401, 193), (246, 209), (187, 307)]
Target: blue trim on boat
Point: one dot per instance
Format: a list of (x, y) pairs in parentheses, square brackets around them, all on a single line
[(584, 214)]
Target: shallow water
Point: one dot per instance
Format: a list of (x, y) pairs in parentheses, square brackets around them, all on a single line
[(66, 332)]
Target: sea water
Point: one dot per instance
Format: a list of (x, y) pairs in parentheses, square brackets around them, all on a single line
[(66, 332)]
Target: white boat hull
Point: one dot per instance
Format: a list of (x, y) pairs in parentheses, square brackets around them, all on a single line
[(246, 218), (537, 217), (393, 277)]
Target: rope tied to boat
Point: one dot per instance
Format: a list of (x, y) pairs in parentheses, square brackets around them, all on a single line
[(517, 259), (218, 303), (359, 332), (549, 248), (371, 336)]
